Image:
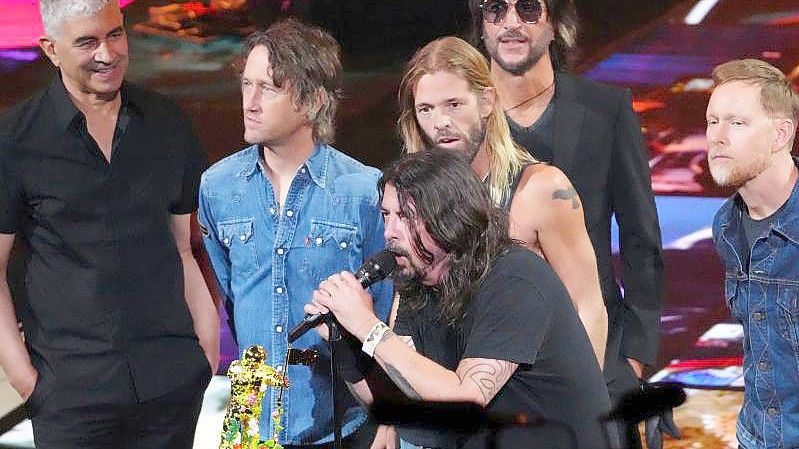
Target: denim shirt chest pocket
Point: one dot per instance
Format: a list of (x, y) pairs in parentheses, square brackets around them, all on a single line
[(237, 236), (337, 244)]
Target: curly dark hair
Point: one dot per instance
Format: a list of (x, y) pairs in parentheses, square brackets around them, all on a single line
[(440, 189)]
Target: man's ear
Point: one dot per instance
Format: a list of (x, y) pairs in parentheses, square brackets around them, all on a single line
[(47, 44), (488, 97), (784, 132)]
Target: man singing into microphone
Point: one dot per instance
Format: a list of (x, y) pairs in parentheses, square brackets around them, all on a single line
[(489, 321), (283, 214)]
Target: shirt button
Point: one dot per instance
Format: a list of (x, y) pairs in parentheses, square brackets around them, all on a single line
[(762, 366), (242, 237), (281, 251), (278, 329), (772, 411), (302, 170), (758, 316), (226, 240), (279, 290), (343, 245), (279, 368), (272, 210), (319, 241), (289, 213)]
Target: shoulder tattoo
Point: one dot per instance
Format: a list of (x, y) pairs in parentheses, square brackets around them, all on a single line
[(566, 195)]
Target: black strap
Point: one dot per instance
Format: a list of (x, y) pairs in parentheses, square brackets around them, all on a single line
[(508, 198)]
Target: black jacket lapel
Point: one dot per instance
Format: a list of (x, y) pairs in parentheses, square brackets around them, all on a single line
[(569, 115)]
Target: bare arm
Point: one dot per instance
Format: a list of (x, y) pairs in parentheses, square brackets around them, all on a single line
[(14, 356), (547, 210), (201, 305), (475, 380)]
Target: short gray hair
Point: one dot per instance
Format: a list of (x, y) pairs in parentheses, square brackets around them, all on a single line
[(54, 12)]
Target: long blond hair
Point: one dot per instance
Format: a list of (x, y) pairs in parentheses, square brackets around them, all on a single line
[(454, 55)]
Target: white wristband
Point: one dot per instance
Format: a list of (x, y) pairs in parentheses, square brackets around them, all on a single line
[(374, 337)]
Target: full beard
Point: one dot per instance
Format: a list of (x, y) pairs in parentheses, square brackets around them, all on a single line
[(406, 276), (472, 143)]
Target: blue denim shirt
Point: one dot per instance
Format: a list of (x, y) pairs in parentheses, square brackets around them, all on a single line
[(268, 262), (763, 294)]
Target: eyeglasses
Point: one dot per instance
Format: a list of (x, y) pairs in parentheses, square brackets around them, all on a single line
[(494, 11)]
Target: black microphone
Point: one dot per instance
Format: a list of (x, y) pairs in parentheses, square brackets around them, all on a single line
[(375, 269), (639, 405)]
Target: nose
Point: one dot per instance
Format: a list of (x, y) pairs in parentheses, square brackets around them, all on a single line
[(389, 229), (105, 53), (251, 99), (441, 120), (716, 133), (512, 19)]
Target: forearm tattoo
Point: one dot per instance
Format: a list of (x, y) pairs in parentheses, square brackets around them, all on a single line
[(489, 375), (567, 194), (397, 377), (354, 392), (402, 383)]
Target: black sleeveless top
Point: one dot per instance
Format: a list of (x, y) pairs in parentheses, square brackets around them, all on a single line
[(508, 197)]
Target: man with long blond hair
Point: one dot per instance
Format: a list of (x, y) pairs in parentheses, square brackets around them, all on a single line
[(751, 126), (447, 100)]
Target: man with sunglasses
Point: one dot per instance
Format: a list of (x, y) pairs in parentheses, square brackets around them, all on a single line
[(591, 133)]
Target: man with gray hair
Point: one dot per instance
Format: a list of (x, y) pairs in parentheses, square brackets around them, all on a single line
[(99, 178), (751, 127), (283, 214)]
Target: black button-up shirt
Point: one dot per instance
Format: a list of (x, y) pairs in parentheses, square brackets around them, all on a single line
[(105, 315)]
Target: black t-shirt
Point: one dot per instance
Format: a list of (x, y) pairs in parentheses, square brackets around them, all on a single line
[(754, 229), (106, 310), (523, 314), (538, 138)]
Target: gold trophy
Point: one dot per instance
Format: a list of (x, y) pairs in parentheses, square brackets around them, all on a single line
[(249, 379)]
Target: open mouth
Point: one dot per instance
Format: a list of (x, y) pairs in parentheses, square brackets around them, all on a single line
[(105, 72), (447, 140)]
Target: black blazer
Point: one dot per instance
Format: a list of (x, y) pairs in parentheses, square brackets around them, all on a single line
[(599, 146)]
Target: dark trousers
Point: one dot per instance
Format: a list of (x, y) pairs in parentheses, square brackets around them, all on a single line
[(621, 380), (360, 439), (167, 422)]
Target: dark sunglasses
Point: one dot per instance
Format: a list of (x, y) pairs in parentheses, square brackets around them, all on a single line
[(494, 11)]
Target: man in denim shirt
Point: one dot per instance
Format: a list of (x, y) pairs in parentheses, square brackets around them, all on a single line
[(751, 125), (287, 212)]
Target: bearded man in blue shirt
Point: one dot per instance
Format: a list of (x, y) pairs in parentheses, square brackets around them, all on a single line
[(751, 128), (283, 214)]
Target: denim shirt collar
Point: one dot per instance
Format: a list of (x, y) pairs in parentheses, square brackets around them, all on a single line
[(786, 223), (317, 163)]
